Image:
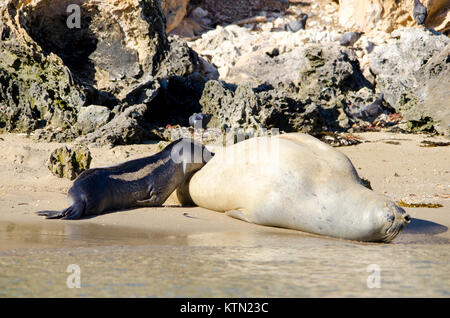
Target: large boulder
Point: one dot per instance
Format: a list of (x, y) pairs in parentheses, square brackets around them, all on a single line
[(332, 80), (242, 55), (413, 73), (52, 65)]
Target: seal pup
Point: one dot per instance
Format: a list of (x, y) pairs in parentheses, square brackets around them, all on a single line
[(294, 181), (143, 182), (419, 12)]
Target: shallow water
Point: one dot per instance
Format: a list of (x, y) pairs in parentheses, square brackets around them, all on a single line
[(125, 262)]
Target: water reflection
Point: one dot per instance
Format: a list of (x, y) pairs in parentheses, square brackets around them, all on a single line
[(124, 262)]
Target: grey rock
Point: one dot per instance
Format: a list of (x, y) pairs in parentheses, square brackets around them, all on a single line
[(271, 66), (125, 128), (181, 60), (333, 80), (50, 134), (199, 120), (69, 162), (298, 24), (316, 98), (370, 112), (92, 117), (349, 38), (419, 12), (264, 107)]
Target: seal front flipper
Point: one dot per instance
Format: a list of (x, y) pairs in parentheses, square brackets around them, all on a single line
[(240, 214), (148, 202)]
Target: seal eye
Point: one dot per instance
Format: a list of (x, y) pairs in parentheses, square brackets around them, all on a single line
[(391, 218)]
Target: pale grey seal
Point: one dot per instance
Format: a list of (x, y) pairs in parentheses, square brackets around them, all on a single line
[(294, 181)]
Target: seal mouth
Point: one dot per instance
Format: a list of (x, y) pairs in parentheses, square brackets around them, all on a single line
[(393, 231), (400, 219)]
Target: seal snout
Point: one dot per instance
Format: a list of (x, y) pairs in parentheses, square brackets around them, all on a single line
[(397, 214), (398, 219), (402, 216)]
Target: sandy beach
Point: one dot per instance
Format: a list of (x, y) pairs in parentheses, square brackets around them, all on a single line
[(206, 253)]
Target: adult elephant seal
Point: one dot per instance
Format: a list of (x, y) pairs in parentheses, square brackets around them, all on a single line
[(142, 182), (294, 181)]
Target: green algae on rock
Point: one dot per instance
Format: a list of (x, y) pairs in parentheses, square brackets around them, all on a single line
[(68, 162), (48, 71)]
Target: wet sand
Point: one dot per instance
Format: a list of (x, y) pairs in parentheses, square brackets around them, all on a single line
[(192, 252)]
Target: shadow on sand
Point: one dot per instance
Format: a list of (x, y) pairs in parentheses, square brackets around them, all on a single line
[(423, 231)]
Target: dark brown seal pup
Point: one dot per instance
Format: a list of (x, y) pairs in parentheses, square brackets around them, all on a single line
[(141, 182)]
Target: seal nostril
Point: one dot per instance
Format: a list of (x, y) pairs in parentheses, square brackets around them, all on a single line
[(407, 218)]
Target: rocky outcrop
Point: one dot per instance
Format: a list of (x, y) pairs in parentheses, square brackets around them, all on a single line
[(388, 15), (68, 162), (63, 80), (263, 107), (35, 88), (332, 80), (413, 74), (328, 82), (58, 56)]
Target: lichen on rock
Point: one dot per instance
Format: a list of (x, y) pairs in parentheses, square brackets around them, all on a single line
[(69, 162), (48, 70)]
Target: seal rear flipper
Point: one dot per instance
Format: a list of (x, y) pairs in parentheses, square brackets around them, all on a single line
[(50, 214), (240, 214), (75, 211)]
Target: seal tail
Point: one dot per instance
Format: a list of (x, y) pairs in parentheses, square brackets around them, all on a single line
[(75, 211)]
